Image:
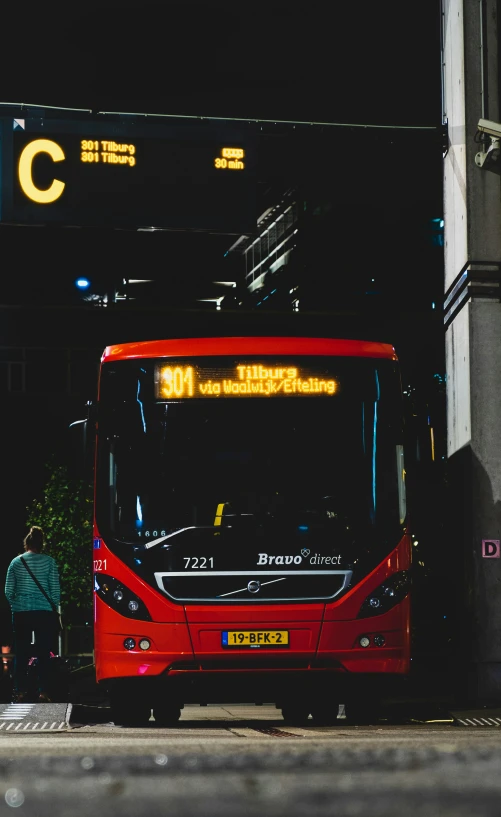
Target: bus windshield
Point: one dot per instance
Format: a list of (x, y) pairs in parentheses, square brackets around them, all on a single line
[(316, 473)]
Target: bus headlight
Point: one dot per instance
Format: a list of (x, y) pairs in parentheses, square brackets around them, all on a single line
[(117, 596), (387, 595)]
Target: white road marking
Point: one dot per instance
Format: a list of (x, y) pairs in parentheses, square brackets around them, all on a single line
[(16, 712), (479, 721)]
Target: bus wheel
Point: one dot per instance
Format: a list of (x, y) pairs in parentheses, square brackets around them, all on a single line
[(126, 711), (123, 714), (325, 715), (363, 712), (295, 714), (166, 714)]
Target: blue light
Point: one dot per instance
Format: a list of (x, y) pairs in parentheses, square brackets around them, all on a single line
[(303, 527), (139, 513), (142, 412), (82, 283)]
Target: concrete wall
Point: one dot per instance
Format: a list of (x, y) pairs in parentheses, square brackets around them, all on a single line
[(455, 214), (472, 206), (457, 362)]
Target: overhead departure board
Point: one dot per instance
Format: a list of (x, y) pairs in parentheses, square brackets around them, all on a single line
[(108, 174)]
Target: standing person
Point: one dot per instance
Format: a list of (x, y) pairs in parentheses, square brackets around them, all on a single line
[(32, 613)]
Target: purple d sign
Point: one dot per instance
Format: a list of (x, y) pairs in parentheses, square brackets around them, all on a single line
[(491, 548)]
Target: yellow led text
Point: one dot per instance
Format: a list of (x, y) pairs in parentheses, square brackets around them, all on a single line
[(249, 381), (107, 152), (32, 149), (265, 381), (230, 159), (176, 381)]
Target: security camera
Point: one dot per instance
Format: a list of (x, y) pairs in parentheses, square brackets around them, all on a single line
[(487, 126), (489, 133)]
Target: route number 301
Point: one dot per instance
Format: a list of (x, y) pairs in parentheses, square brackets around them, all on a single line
[(198, 562)]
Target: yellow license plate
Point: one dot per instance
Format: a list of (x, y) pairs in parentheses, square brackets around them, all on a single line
[(255, 638)]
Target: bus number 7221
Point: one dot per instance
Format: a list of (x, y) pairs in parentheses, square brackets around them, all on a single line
[(198, 562), (99, 564)]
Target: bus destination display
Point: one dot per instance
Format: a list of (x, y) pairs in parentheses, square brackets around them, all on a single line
[(176, 380)]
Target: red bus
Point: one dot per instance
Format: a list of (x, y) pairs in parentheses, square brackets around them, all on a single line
[(250, 538)]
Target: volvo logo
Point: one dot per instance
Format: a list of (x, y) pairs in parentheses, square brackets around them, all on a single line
[(254, 587)]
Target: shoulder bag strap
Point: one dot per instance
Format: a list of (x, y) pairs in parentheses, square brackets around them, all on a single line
[(39, 585)]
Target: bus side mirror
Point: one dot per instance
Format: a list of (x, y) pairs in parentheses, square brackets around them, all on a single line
[(82, 435)]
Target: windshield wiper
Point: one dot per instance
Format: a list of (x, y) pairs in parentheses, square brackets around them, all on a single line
[(176, 533)]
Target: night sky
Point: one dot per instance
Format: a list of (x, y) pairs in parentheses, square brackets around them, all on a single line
[(362, 63)]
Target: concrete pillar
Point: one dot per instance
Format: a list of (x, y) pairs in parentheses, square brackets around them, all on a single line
[(472, 212)]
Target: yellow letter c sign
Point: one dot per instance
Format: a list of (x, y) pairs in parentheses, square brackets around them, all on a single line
[(34, 193)]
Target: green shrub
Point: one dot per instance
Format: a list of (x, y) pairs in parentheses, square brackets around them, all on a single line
[(65, 514)]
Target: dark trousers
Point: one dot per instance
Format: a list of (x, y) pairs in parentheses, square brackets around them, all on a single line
[(43, 623)]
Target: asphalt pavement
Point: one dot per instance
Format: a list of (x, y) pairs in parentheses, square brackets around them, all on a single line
[(223, 761), (420, 759)]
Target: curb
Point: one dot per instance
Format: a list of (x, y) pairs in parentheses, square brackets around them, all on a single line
[(83, 715)]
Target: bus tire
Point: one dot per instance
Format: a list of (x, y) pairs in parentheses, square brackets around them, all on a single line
[(363, 712), (123, 715), (166, 714), (295, 714), (125, 711), (325, 715)]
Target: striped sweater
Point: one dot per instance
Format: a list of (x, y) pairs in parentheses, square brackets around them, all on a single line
[(20, 589)]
